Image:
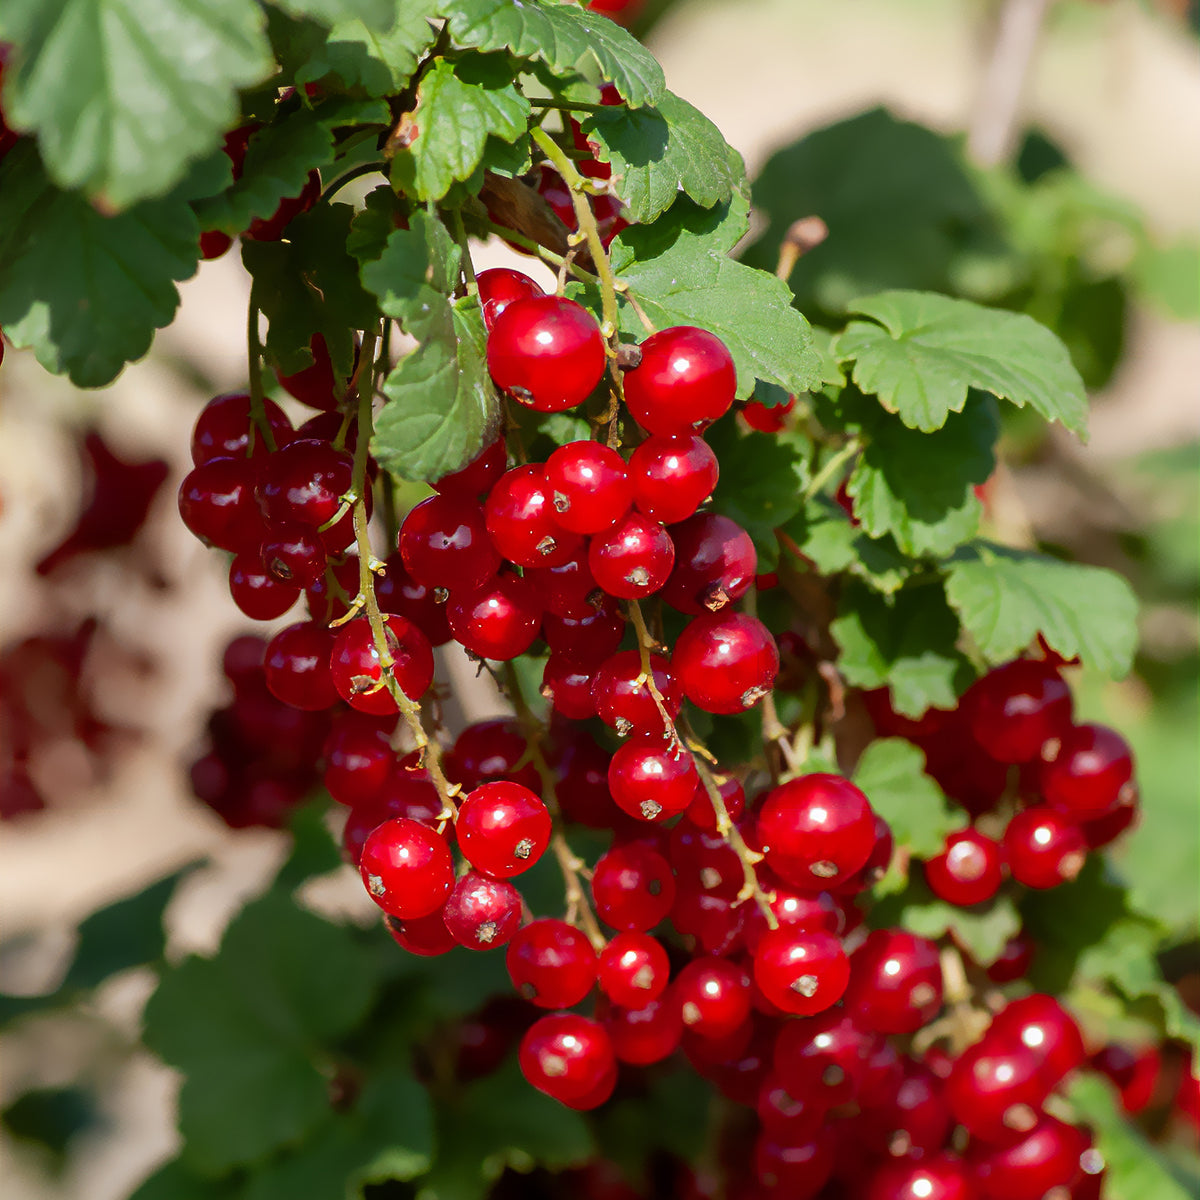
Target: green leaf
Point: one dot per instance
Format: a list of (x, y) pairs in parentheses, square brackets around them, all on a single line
[(568, 39), (822, 535), (374, 223), (917, 486), (123, 94), (442, 406), (176, 1181), (87, 291), (1005, 598), (659, 153), (928, 350), (1166, 275), (378, 62), (378, 14), (459, 105), (309, 284), (906, 641), (250, 1024)]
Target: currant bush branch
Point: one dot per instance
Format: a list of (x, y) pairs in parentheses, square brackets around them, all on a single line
[(254, 353)]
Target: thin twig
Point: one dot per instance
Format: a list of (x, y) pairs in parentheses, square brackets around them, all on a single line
[(258, 408)]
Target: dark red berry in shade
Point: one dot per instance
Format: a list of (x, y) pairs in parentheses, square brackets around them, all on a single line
[(297, 666), (939, 1178), (331, 596), (590, 639), (1044, 848), (672, 476), (551, 963), (632, 559), (293, 554), (1040, 1023), (969, 870), (1017, 708), (225, 429), (216, 502), (633, 887), (995, 1089), (487, 751), (568, 1057), (426, 936), (895, 981), (397, 592), (788, 1118), (816, 830), (357, 671), (800, 971), (912, 1117), (567, 685), (713, 920), (499, 287), (546, 352), (406, 868), (444, 543), (766, 419), (713, 996), (304, 482), (623, 698), (725, 661), (271, 229), (213, 243), (1047, 1158), (705, 860), (823, 1056), (1015, 959), (477, 477), (648, 1034), (802, 910), (405, 793), (684, 381), (634, 970), (520, 520), (876, 866), (1134, 1070), (503, 828), (589, 486), (714, 564), (482, 913), (581, 773), (1106, 829), (258, 593), (701, 812), (797, 1171), (567, 590), (497, 620), (242, 662), (358, 758), (313, 385), (650, 781), (1090, 775)]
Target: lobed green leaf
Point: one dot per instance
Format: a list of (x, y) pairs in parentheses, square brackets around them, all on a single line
[(379, 61), (822, 536)]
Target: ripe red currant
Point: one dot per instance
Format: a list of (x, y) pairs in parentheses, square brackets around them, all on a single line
[(588, 639), (406, 868), (1015, 709), (567, 590), (633, 888), (297, 666), (684, 381), (713, 996), (478, 476), (672, 476), (520, 519), (358, 758), (570, 1058), (397, 592), (490, 750), (304, 482), (313, 385), (634, 970), (482, 913), (589, 486), (1046, 1162), (1044, 848), (426, 936), (650, 781), (503, 828), (225, 429), (701, 812), (969, 870), (824, 1056), (648, 1034), (551, 963), (567, 685), (895, 981), (293, 554), (498, 620), (632, 559), (942, 1177), (216, 503), (358, 672), (798, 1171), (444, 543), (1046, 1028), (499, 287), (996, 1089), (256, 592), (800, 971), (714, 564), (1090, 775), (725, 661), (623, 699)]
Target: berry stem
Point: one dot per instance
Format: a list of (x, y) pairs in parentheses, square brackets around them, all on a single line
[(468, 267), (543, 252), (832, 465), (258, 410)]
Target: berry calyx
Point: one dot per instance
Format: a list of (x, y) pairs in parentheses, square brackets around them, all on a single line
[(444, 543), (633, 559), (520, 520), (570, 1058), (622, 696), (482, 913), (650, 781), (801, 971), (633, 970), (969, 870)]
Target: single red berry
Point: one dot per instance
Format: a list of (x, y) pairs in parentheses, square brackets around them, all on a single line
[(788, 1118), (715, 563), (713, 996), (650, 781), (588, 639), (520, 520), (942, 1177), (1090, 775), (358, 758), (1135, 1070), (1017, 708), (546, 352), (297, 666), (490, 750), (482, 913), (969, 870), (313, 385), (701, 812), (996, 1089), (684, 381), (1015, 959), (497, 620), (672, 476), (623, 699), (499, 287), (648, 1034), (633, 559), (478, 476), (213, 243), (816, 830), (1047, 1161), (581, 775), (256, 592), (426, 936), (358, 673), (912, 1118), (634, 970), (895, 981), (216, 502), (589, 486), (715, 922), (503, 828), (406, 868), (800, 971), (242, 662), (225, 429), (404, 793), (1046, 1028), (1102, 831), (633, 888), (293, 554), (567, 590), (444, 543), (705, 860), (823, 1056), (304, 482), (797, 1171), (568, 1057), (766, 419), (551, 963), (1044, 848), (802, 910), (399, 593), (567, 685), (725, 661)]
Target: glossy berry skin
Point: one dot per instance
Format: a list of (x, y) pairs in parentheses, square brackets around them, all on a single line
[(684, 382), (633, 559), (546, 352), (942, 1177), (969, 870), (551, 964), (804, 910), (725, 661), (567, 685), (498, 620), (358, 758), (293, 554), (672, 476), (648, 1034), (634, 970), (1040, 1023), (911, 1117), (633, 888), (1015, 959), (797, 1171), (767, 419), (304, 482), (567, 590), (482, 913), (801, 971), (476, 478), (406, 868), (1090, 775), (787, 1118), (568, 1057), (499, 287), (823, 1056), (650, 781), (715, 562), (995, 1089), (225, 429), (713, 996), (487, 751), (444, 543), (313, 385), (216, 503), (701, 813), (256, 591), (895, 981), (297, 666), (1044, 848), (589, 486), (1134, 1070), (626, 705), (520, 520), (503, 828), (397, 592), (426, 937), (1017, 708), (816, 830), (588, 639), (1047, 1157), (357, 673)]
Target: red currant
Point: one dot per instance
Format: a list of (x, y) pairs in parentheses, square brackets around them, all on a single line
[(800, 971), (797, 1171), (766, 419), (622, 696), (650, 781), (313, 385), (714, 564), (969, 870), (895, 981), (684, 381), (1090, 775), (482, 913), (397, 592), (589, 486), (1015, 959), (498, 620), (996, 1089), (478, 476), (633, 888), (672, 476), (490, 750), (406, 868), (426, 936), (225, 429), (503, 828), (570, 1058), (567, 685), (632, 559), (444, 543), (1044, 848), (358, 758), (701, 812), (587, 639), (520, 520), (1015, 709), (304, 482), (913, 1118), (648, 1034), (256, 592), (713, 996), (1045, 1162), (551, 963), (216, 502), (566, 590), (293, 554), (823, 1056), (297, 666), (499, 287), (1045, 1027), (358, 673), (725, 661), (634, 970), (941, 1177)]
